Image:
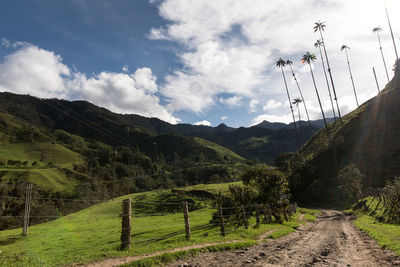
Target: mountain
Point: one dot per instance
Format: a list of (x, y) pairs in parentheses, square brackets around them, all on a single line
[(279, 125), (81, 118), (369, 139)]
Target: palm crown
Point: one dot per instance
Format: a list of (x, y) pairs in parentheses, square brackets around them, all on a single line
[(319, 26), (308, 57), (281, 62), (297, 100), (377, 29), (344, 47), (319, 43), (289, 62)]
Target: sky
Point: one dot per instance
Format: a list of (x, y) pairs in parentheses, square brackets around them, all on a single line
[(200, 62)]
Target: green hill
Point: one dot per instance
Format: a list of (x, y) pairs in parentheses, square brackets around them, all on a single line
[(157, 225), (369, 139)]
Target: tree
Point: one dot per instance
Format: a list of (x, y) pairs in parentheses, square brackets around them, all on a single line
[(271, 187), (320, 26), (350, 179), (318, 45), (296, 102), (377, 30), (280, 64), (290, 63), (345, 48), (308, 57)]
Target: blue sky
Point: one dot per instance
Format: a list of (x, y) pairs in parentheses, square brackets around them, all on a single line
[(188, 61)]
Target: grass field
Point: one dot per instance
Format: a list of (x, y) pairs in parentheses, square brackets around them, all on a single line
[(368, 220), (41, 152), (94, 233), (387, 235), (53, 179)]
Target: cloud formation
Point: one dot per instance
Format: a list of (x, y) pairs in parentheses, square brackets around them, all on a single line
[(203, 123), (230, 47), (38, 72)]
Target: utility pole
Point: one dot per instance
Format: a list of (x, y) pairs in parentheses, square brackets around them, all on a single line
[(28, 199)]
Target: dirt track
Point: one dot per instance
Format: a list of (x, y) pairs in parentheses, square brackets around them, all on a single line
[(331, 241)]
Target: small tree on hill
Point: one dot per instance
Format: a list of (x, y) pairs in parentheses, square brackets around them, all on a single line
[(350, 179)]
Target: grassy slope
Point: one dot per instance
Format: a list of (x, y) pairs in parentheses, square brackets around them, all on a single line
[(93, 233), (387, 235), (220, 150), (368, 139), (48, 152)]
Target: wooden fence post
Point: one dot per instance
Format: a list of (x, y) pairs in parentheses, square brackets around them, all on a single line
[(246, 224), (28, 199), (186, 217), (221, 221), (126, 224)]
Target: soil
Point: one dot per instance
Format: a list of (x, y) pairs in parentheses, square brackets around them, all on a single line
[(332, 240)]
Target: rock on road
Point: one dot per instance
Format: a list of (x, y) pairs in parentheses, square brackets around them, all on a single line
[(332, 240)]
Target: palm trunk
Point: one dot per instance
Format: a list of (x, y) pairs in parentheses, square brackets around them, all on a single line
[(327, 82), (301, 94), (330, 75), (323, 115), (391, 30), (351, 76), (383, 57), (291, 108), (298, 111)]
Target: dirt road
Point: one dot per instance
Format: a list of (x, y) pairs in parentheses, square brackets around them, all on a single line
[(331, 241)]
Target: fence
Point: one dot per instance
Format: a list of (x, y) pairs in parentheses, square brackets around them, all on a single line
[(128, 227)]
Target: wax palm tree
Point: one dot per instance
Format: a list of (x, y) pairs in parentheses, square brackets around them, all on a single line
[(296, 102), (377, 30), (280, 64), (318, 45), (391, 30), (345, 48), (290, 63), (308, 57), (320, 26)]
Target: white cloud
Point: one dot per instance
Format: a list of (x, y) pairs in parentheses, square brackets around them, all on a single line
[(5, 42), (35, 71), (253, 105), (145, 80), (204, 123), (233, 50), (231, 101), (224, 118), (286, 118), (272, 104), (125, 68)]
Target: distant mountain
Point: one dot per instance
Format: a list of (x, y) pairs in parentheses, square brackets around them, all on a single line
[(82, 118), (369, 139), (280, 125)]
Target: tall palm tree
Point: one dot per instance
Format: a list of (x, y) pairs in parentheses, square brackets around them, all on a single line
[(308, 57), (318, 45), (346, 48), (280, 64), (377, 30), (290, 63), (296, 102), (391, 30), (320, 26)]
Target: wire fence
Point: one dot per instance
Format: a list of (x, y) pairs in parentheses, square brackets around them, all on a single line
[(144, 228)]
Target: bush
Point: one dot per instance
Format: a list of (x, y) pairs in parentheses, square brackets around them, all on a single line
[(392, 195)]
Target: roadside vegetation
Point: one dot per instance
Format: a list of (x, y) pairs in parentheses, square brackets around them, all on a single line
[(157, 222)]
